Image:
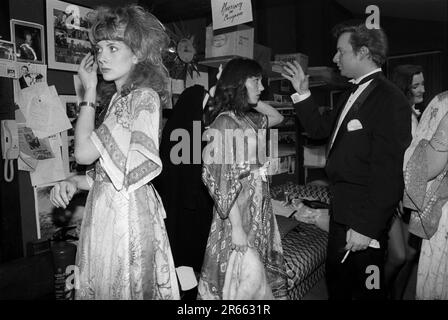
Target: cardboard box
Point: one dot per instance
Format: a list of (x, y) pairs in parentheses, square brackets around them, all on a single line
[(301, 58), (262, 55), (321, 73), (238, 40), (277, 66)]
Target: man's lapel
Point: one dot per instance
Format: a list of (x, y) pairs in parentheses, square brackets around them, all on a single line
[(341, 104), (343, 128), (358, 104)]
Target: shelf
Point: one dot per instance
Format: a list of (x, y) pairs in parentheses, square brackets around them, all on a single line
[(274, 76), (280, 105), (285, 150), (216, 61)]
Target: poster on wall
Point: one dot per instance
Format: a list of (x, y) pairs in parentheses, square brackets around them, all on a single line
[(227, 13), (58, 223), (29, 40), (67, 34), (28, 74)]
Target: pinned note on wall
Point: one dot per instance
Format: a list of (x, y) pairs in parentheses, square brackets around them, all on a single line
[(227, 13)]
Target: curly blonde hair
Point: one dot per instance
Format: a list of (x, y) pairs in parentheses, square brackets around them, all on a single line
[(144, 34)]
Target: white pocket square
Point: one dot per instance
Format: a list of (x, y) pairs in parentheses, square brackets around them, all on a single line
[(353, 125)]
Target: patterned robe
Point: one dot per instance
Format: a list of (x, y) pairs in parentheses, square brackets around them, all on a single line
[(432, 274), (123, 251), (243, 183)]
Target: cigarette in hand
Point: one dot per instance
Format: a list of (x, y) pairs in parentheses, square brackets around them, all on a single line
[(346, 255)]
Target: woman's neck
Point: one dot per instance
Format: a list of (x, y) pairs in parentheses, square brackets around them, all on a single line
[(118, 87)]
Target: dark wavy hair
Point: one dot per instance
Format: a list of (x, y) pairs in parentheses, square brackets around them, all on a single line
[(402, 77), (144, 34), (231, 93), (360, 36)]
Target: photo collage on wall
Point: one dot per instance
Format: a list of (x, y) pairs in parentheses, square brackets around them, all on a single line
[(72, 108), (67, 34)]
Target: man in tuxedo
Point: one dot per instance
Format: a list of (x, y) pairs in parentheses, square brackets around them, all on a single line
[(369, 131)]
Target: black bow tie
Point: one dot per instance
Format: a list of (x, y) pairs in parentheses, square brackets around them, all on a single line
[(354, 86)]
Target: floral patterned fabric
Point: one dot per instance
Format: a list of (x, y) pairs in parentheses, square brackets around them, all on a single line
[(432, 275), (123, 251), (244, 184)]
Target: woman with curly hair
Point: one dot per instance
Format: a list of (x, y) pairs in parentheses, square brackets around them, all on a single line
[(123, 251), (244, 257)]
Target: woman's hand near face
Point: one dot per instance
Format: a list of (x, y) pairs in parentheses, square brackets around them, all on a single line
[(87, 72)]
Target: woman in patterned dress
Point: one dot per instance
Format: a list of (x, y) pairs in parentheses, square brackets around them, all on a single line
[(236, 180), (426, 193), (123, 251)]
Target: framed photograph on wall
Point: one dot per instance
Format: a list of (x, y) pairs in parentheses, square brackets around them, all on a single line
[(67, 34), (29, 40), (7, 51), (7, 59)]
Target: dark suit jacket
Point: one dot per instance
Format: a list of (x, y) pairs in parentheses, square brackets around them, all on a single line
[(364, 166), (188, 205)]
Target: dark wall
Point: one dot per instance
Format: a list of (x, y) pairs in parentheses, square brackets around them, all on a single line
[(10, 231), (305, 26)]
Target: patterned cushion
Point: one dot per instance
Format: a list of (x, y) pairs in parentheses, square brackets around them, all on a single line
[(304, 246), (304, 249), (312, 192)]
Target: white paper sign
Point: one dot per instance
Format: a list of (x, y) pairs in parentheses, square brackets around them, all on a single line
[(50, 170), (227, 13), (43, 110)]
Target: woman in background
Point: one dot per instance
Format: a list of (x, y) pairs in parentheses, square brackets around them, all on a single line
[(123, 251), (402, 246), (236, 180), (409, 78)]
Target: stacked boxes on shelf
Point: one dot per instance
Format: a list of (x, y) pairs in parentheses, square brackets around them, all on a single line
[(233, 41)]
